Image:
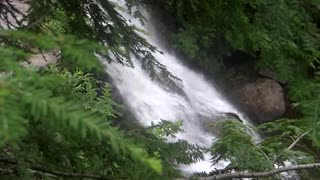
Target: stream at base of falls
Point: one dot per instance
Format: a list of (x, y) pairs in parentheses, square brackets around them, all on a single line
[(192, 100)]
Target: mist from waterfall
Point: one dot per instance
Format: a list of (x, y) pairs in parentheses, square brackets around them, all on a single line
[(150, 101)]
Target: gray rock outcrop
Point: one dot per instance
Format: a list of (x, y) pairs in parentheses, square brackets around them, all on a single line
[(263, 100)]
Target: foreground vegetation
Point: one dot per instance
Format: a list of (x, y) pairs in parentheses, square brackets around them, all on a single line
[(58, 121)]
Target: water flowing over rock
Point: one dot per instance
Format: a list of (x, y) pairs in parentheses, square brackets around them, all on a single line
[(193, 99), (263, 100)]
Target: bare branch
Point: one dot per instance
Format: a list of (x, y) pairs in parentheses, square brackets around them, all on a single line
[(56, 173), (261, 174), (35, 22), (297, 140)]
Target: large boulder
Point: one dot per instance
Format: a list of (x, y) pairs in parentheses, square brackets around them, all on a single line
[(268, 73), (263, 100)]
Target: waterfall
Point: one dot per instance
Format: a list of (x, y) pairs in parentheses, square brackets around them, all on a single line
[(151, 101)]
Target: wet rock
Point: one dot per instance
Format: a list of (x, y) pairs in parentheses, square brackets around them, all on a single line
[(268, 73), (231, 115), (171, 85), (209, 123), (263, 100)]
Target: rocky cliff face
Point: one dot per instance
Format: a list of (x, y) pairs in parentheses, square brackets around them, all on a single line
[(40, 60), (12, 18), (11, 15)]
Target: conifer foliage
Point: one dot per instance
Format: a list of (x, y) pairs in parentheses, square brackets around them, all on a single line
[(51, 110), (57, 120)]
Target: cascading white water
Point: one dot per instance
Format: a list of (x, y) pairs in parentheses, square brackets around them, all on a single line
[(150, 101)]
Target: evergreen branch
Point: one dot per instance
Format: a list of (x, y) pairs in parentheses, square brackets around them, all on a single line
[(261, 174), (35, 23), (54, 172), (265, 155)]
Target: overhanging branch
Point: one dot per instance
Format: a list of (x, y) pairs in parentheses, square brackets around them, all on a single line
[(261, 174), (42, 169)]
